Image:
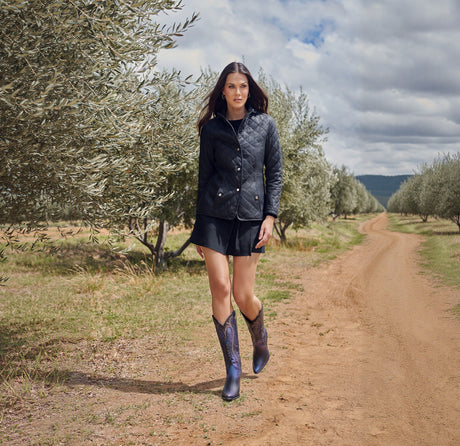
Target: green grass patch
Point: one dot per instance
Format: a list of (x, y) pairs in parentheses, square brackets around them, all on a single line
[(440, 249)]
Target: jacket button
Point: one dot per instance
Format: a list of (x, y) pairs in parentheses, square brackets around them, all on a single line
[(239, 168), (237, 149), (257, 197), (219, 194), (237, 189)]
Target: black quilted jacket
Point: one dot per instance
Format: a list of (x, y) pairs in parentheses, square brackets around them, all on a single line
[(240, 175)]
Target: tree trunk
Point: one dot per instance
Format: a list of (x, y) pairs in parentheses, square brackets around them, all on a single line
[(281, 231), (283, 237), (172, 254), (162, 256), (160, 245), (159, 256), (141, 234), (456, 220)]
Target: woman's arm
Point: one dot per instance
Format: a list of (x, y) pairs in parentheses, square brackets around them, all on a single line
[(273, 172), (206, 162)]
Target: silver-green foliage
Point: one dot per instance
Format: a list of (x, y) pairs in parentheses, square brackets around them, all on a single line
[(434, 191), (307, 175), (86, 121), (82, 120), (343, 192), (365, 201), (350, 196)]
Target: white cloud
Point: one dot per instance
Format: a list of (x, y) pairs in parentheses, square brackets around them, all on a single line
[(306, 52), (382, 75)]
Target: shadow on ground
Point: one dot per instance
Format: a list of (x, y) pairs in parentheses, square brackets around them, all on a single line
[(149, 387)]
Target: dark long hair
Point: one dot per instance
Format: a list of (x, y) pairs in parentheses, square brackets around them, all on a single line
[(215, 103)]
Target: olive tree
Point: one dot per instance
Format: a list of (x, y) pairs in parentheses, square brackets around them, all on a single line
[(430, 190), (412, 202), (176, 134), (79, 98), (435, 190), (447, 180), (307, 176), (395, 202), (343, 193)]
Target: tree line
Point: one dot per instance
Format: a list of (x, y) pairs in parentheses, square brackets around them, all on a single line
[(434, 191), (91, 129)]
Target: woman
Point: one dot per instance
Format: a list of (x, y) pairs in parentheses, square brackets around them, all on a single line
[(239, 188)]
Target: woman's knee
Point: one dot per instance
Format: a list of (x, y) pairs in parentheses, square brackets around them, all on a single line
[(242, 296), (221, 289)]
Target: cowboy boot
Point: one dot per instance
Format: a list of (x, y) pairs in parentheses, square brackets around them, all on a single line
[(228, 338), (259, 338)]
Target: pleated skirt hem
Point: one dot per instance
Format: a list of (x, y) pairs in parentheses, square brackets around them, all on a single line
[(229, 237)]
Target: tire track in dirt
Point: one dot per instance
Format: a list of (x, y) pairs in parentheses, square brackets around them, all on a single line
[(367, 355)]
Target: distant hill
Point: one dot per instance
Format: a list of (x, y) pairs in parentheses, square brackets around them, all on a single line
[(382, 187)]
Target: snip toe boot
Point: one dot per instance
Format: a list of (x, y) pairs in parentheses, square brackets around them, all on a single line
[(228, 338), (259, 341)]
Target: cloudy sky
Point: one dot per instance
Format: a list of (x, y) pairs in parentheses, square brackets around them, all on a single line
[(384, 76)]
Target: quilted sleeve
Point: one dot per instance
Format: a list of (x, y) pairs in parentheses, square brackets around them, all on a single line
[(206, 161), (273, 170)]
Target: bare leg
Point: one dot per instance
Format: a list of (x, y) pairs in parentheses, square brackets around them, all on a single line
[(244, 275), (217, 266), (224, 319)]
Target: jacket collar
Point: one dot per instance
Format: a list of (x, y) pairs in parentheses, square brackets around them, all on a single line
[(251, 110)]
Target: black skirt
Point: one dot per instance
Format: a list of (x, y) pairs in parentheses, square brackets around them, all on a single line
[(229, 237)]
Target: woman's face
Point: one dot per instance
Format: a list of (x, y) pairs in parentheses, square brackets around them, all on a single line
[(236, 91)]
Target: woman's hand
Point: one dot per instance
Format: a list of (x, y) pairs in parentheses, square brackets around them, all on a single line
[(266, 231)]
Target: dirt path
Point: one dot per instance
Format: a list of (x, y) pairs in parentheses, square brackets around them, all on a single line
[(368, 355)]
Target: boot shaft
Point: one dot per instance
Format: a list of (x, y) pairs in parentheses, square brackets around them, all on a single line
[(257, 328), (228, 338), (227, 334), (259, 338)]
